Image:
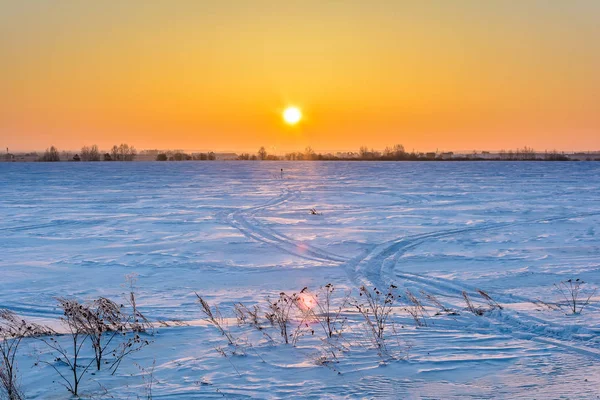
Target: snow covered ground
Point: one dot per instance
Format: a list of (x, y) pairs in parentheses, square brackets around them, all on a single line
[(237, 232)]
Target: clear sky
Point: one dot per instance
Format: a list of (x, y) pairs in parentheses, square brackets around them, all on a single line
[(196, 74)]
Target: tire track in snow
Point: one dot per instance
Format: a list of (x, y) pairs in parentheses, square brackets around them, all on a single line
[(371, 265), (378, 264), (244, 221), (378, 268)]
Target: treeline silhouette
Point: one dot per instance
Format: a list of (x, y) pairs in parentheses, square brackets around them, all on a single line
[(181, 156), (398, 153), (123, 152)]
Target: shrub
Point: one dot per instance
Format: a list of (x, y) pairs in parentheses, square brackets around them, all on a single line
[(376, 307), (101, 322), (281, 312), (573, 293), (330, 316)]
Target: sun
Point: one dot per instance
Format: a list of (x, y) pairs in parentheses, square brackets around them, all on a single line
[(292, 115)]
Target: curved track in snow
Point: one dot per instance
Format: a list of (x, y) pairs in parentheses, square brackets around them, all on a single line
[(379, 267), (244, 220)]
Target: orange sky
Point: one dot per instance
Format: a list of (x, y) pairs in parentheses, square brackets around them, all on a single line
[(215, 75)]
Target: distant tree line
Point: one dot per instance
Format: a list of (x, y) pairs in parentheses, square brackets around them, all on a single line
[(181, 156), (528, 154), (398, 153), (123, 152)]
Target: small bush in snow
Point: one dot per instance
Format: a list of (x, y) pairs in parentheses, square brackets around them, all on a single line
[(327, 313), (280, 313), (574, 293), (376, 306), (105, 326)]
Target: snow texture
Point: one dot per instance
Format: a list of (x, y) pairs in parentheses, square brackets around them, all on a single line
[(238, 232)]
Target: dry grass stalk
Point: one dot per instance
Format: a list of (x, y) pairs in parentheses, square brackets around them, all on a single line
[(436, 302), (493, 303), (138, 322), (281, 312), (330, 316), (376, 307), (470, 306), (416, 309), (215, 318)]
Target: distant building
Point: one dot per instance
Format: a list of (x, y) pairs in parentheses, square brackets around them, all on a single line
[(226, 156)]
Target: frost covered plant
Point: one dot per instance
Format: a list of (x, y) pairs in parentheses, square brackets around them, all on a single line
[(415, 309), (491, 302), (471, 307), (215, 318), (252, 316), (138, 322), (73, 312), (280, 313), (107, 328), (327, 314), (103, 320), (376, 306), (148, 378), (436, 302), (13, 330), (574, 293)]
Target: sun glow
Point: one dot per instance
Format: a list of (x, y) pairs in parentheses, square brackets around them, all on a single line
[(292, 115), (307, 301)]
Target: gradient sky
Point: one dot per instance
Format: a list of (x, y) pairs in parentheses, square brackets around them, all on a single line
[(199, 75)]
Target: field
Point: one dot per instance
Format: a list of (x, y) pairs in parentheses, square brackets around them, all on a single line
[(242, 232)]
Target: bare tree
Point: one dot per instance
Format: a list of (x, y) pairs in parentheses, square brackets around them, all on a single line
[(90, 153), (51, 155), (398, 151), (262, 153), (309, 154), (85, 153), (114, 153), (363, 151)]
